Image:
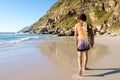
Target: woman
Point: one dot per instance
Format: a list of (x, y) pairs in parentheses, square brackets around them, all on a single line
[(82, 41)]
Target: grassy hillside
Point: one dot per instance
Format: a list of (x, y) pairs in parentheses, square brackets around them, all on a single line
[(64, 13)]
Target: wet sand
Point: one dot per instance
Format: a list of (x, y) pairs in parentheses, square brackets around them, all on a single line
[(103, 58), (25, 61), (56, 59)]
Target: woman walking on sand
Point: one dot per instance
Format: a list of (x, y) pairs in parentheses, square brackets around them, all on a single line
[(84, 39)]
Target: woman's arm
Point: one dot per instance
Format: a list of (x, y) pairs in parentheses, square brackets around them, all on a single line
[(76, 35)]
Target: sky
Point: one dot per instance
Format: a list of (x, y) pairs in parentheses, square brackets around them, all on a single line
[(17, 14)]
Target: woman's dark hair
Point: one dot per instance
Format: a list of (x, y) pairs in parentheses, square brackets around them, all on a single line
[(83, 17)]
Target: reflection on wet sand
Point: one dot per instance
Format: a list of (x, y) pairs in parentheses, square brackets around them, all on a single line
[(62, 53)]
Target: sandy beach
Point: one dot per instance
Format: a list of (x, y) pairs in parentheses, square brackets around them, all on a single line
[(103, 58), (56, 59), (24, 61)]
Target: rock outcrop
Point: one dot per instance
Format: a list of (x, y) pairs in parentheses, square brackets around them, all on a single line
[(63, 15)]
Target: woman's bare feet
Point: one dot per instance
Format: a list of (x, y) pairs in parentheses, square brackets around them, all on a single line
[(85, 69), (80, 72)]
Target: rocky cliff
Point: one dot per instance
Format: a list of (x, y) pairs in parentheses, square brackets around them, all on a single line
[(63, 15)]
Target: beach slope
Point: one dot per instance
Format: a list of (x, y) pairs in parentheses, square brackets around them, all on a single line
[(103, 58)]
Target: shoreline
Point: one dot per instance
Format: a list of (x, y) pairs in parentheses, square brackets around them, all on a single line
[(24, 61), (56, 59)]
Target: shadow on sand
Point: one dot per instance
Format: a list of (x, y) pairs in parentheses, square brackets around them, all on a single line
[(110, 72)]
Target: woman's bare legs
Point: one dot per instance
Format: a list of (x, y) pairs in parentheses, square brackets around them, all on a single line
[(80, 63), (85, 60)]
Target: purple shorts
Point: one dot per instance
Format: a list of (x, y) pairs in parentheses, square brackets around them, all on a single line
[(83, 45)]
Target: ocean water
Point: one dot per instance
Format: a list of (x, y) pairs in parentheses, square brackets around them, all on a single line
[(11, 37), (20, 54)]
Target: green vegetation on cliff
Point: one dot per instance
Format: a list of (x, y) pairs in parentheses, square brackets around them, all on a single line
[(64, 14), (68, 23)]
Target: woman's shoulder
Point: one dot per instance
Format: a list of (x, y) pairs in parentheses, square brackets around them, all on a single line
[(77, 24)]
